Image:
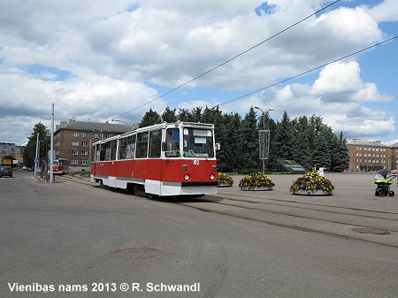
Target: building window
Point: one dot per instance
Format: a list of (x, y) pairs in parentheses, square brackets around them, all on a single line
[(76, 134), (75, 152), (84, 162), (75, 144), (84, 134), (74, 162), (97, 135), (85, 144), (84, 152)]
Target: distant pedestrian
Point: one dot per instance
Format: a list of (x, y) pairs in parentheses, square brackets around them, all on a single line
[(321, 171), (313, 168)]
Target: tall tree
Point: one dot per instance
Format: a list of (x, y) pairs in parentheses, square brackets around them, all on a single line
[(248, 143), (197, 114), (321, 155), (184, 115), (150, 118), (284, 138), (301, 148), (44, 144), (230, 157), (169, 115), (342, 157)]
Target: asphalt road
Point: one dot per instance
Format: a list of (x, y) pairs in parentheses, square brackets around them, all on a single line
[(75, 234)]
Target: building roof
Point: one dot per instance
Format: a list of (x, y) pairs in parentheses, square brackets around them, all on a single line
[(96, 127), (359, 142)]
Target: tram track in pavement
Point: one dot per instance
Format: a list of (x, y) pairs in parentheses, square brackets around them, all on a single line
[(260, 210), (248, 197), (334, 228), (394, 229), (393, 216)]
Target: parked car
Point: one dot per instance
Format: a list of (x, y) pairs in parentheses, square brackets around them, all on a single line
[(5, 171)]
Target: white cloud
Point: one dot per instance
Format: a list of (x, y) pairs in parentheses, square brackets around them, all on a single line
[(385, 11), (112, 52), (341, 82), (333, 97)]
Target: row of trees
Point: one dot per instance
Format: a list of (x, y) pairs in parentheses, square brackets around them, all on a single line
[(44, 144), (308, 141)]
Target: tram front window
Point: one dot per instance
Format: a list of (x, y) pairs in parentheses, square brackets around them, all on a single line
[(172, 142), (198, 143)]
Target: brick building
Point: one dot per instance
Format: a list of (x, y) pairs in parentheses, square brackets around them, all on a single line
[(370, 156), (73, 140), (394, 154)]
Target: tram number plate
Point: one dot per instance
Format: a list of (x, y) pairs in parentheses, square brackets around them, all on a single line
[(196, 162)]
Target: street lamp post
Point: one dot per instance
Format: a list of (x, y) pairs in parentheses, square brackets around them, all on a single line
[(129, 125), (264, 126)]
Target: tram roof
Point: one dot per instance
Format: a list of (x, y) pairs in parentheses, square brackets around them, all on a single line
[(158, 126)]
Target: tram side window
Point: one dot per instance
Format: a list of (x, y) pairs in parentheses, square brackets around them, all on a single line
[(113, 149), (142, 145), (107, 151), (130, 150), (93, 153), (127, 148), (155, 144), (97, 152), (102, 152), (172, 142), (122, 148)]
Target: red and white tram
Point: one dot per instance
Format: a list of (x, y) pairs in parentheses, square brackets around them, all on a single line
[(60, 166), (168, 159)]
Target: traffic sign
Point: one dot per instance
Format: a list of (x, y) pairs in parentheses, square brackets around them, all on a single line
[(36, 160)]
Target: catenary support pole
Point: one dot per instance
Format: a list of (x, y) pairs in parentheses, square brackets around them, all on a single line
[(36, 153), (52, 145)]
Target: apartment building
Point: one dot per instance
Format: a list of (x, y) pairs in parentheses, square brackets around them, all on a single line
[(7, 149), (73, 140), (370, 156)]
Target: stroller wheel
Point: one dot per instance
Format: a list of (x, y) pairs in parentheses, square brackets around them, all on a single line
[(391, 193), (377, 193)]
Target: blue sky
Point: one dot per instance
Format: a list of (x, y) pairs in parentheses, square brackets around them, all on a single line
[(97, 60)]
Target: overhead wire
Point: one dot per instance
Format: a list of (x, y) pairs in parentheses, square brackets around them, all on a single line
[(229, 60), (308, 71)]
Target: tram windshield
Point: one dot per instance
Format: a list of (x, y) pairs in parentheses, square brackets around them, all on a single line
[(198, 143), (172, 142)]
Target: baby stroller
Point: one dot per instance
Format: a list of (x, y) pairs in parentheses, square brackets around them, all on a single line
[(383, 183)]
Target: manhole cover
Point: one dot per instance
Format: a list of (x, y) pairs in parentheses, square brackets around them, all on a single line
[(371, 231), (137, 253)]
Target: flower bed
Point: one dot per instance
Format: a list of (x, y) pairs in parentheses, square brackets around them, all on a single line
[(224, 180), (311, 184), (256, 181)]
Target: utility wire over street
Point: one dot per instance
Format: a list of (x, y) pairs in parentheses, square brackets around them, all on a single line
[(308, 71), (229, 60)]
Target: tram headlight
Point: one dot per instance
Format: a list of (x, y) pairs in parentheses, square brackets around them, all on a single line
[(212, 177), (187, 177)]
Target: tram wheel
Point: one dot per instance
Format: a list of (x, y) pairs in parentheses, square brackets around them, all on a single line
[(136, 190)]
